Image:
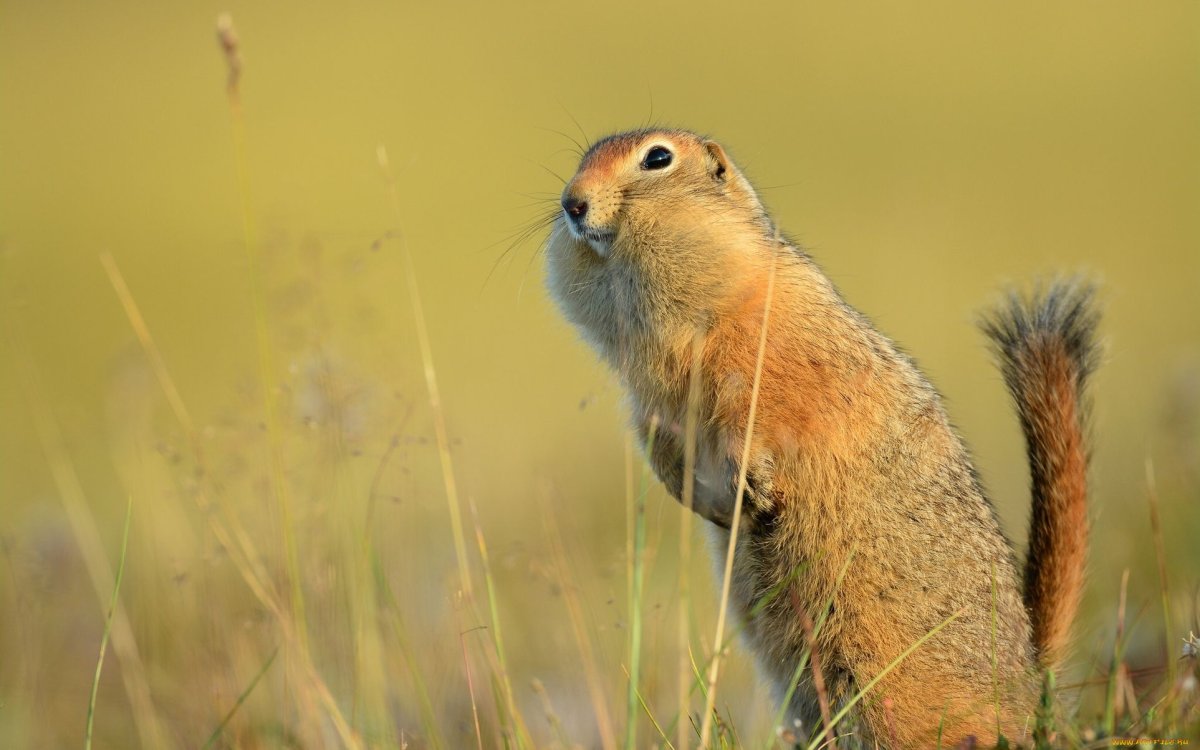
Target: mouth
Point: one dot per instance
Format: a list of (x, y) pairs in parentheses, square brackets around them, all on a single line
[(599, 240)]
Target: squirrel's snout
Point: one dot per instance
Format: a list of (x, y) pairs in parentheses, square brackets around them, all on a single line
[(589, 216), (576, 208)]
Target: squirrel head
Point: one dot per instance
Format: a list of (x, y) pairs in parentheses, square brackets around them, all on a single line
[(659, 230)]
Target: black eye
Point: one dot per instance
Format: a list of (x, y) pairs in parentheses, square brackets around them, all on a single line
[(658, 158)]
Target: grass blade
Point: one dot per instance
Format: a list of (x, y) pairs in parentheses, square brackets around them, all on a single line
[(216, 735), (1116, 666), (231, 47), (591, 670), (424, 704), (637, 583), (108, 620), (520, 733), (431, 385), (883, 673), (685, 539), (727, 581)]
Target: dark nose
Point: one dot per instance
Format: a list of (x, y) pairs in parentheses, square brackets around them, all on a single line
[(576, 208)]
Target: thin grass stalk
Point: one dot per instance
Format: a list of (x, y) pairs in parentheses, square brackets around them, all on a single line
[(520, 732), (714, 670), (818, 674), (368, 712), (370, 666), (697, 682), (1043, 729), (551, 715), (372, 494), (216, 734), (471, 689), (425, 705), (108, 620), (431, 385), (637, 582), (591, 671), (369, 640), (239, 545), (233, 539), (995, 655), (231, 46), (841, 714), (1112, 689), (688, 496), (645, 709), (83, 527), (1161, 557), (804, 656), (142, 332)]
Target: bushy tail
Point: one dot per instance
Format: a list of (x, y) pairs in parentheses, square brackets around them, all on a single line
[(1046, 349)]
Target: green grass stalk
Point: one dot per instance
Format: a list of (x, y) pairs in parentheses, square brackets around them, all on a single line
[(425, 705), (841, 714), (462, 639), (1161, 557), (688, 495), (804, 656), (649, 715), (216, 734), (1112, 688), (87, 536), (591, 671), (637, 582), (520, 732), (108, 621), (1043, 728)]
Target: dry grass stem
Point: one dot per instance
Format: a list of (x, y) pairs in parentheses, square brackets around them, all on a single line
[(591, 671), (690, 426), (431, 384), (727, 580), (818, 675), (150, 729)]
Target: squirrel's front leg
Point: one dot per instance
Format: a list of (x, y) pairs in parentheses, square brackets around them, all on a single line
[(715, 477), (664, 449)]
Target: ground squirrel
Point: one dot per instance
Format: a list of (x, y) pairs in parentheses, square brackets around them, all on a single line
[(858, 492)]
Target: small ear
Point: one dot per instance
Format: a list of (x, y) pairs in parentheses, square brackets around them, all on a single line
[(719, 167)]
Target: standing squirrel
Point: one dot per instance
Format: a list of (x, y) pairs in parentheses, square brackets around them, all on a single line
[(859, 497)]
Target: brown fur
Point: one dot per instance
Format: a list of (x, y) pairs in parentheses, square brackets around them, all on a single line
[(853, 464), (1047, 352)]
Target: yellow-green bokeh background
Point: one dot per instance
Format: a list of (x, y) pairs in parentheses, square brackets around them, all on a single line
[(927, 154)]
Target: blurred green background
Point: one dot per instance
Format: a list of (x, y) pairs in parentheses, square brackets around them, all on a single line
[(927, 155)]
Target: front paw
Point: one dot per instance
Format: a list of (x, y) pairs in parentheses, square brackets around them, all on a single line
[(717, 488)]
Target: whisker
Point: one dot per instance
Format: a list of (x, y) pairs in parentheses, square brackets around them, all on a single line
[(586, 140), (517, 239), (649, 118), (579, 148), (549, 171)]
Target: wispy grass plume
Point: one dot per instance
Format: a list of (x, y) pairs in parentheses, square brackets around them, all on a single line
[(231, 47)]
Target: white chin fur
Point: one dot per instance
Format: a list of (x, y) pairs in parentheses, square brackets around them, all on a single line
[(600, 243), (602, 246)]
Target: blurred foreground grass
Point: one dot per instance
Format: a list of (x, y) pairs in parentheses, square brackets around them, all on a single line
[(325, 605), (294, 575)]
